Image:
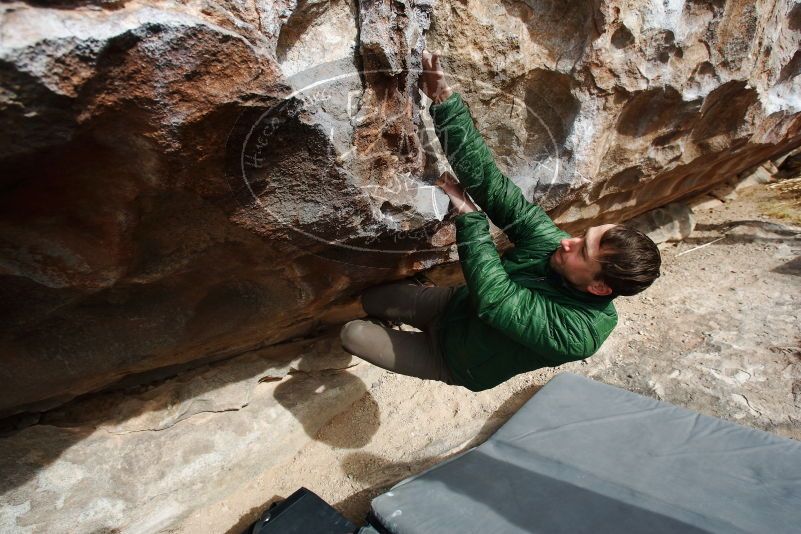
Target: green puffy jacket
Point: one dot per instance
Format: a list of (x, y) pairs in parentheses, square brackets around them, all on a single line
[(514, 314)]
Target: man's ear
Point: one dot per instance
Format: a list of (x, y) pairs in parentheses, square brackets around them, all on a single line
[(599, 287)]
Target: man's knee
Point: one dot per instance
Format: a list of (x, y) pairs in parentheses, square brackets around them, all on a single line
[(351, 335)]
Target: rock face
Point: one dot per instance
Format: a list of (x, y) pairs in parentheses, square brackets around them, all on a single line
[(182, 182), (673, 222), (627, 105)]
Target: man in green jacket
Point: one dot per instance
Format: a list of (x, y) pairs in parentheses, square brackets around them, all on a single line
[(546, 302)]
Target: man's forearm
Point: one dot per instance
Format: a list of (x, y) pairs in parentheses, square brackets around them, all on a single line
[(474, 165)]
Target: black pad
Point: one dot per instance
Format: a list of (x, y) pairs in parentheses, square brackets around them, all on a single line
[(303, 512)]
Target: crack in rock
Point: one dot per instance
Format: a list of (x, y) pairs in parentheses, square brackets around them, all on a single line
[(320, 372), (175, 422)]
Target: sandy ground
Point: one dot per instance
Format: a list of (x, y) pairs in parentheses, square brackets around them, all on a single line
[(717, 333)]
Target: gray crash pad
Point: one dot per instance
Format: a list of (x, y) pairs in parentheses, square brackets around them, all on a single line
[(582, 456)]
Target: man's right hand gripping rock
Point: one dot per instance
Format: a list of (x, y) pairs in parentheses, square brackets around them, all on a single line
[(432, 79)]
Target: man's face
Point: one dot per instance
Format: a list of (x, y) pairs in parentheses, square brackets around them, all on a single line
[(576, 260)]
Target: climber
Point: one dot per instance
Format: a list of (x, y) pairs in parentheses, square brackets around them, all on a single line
[(547, 302)]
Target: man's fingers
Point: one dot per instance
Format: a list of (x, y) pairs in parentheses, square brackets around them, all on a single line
[(447, 177), (447, 187), (426, 60), (435, 63)]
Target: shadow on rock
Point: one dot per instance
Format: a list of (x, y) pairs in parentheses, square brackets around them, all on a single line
[(792, 267), (745, 231)]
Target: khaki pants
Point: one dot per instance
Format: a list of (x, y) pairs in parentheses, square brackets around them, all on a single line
[(407, 353)]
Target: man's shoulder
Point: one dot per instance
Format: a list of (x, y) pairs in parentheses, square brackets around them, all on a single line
[(599, 311), (543, 236), (588, 324)]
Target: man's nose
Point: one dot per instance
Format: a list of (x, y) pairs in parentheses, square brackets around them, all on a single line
[(566, 243)]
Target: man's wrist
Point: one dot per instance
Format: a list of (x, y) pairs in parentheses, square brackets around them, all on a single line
[(467, 207), (443, 95)]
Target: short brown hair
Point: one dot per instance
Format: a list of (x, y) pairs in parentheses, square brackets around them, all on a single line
[(630, 260)]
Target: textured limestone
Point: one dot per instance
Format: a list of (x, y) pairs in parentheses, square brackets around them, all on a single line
[(183, 182), (704, 202), (630, 105), (673, 222)]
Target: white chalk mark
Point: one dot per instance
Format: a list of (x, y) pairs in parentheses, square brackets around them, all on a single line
[(701, 246)]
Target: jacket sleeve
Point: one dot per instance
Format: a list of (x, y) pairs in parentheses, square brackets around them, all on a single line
[(525, 223), (554, 331)]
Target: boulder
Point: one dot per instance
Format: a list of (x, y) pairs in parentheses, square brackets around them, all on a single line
[(673, 222), (761, 174), (704, 202), (183, 182)]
